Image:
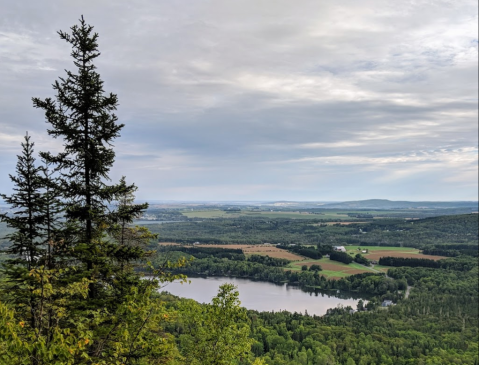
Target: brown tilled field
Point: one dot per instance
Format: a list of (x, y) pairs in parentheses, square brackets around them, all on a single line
[(271, 251), (376, 255), (168, 243)]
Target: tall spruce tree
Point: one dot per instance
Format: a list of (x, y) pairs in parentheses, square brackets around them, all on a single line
[(82, 115), (27, 241)]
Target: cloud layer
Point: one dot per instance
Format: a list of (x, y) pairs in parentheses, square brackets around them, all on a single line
[(265, 99)]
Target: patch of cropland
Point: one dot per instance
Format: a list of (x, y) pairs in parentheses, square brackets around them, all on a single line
[(421, 233), (213, 259)]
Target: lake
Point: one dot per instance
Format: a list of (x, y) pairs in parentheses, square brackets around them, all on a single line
[(263, 296)]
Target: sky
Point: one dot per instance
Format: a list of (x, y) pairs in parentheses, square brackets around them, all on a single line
[(263, 100)]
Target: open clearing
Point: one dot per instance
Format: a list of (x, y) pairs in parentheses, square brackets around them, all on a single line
[(331, 269), (376, 255), (376, 252)]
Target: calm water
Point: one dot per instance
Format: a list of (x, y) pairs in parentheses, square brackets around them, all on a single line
[(262, 296)]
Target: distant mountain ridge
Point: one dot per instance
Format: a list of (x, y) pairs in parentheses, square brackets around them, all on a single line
[(390, 204)]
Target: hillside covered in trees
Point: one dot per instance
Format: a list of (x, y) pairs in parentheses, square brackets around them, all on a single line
[(455, 229)]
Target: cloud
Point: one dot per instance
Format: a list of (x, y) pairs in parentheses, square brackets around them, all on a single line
[(312, 100)]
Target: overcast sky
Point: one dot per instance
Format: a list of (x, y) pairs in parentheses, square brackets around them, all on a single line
[(264, 100)]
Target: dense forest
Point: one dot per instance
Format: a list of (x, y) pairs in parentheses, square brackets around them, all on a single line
[(460, 229), (437, 324)]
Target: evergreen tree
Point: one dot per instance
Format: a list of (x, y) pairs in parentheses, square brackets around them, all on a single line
[(83, 116), (93, 306), (27, 249)]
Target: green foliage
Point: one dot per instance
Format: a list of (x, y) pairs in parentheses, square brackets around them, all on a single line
[(306, 251), (82, 115), (420, 233), (27, 222), (437, 324), (269, 261), (218, 333), (340, 257), (360, 259), (60, 334), (70, 294)]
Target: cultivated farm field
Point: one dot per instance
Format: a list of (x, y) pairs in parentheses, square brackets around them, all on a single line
[(330, 268)]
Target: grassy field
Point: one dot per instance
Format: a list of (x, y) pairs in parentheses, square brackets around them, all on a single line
[(375, 252), (331, 269)]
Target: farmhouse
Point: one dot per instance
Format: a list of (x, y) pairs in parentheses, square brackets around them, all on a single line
[(339, 248), (387, 303)]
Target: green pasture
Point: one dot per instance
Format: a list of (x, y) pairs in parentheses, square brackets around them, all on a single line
[(331, 268), (382, 268), (335, 274)]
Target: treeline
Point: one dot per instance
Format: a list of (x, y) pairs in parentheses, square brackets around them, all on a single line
[(341, 257), (458, 264), (268, 261), (360, 259), (311, 252), (452, 250), (407, 261), (203, 252), (175, 252)]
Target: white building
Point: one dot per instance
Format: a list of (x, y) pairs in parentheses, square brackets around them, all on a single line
[(339, 248)]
